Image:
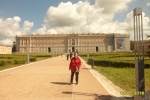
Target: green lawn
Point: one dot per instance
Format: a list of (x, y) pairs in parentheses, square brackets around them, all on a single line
[(123, 77)]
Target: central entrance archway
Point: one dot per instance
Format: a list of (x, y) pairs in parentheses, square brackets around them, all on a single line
[(73, 49), (49, 49), (96, 49)]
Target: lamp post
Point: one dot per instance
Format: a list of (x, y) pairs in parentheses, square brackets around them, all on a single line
[(92, 60), (139, 53), (88, 52), (28, 50), (28, 57)]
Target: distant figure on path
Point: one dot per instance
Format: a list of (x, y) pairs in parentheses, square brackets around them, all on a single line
[(71, 53), (67, 55), (74, 66)]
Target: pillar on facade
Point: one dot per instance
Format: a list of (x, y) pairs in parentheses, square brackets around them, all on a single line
[(77, 41), (67, 41)]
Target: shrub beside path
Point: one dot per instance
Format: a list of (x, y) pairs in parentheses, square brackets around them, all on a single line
[(48, 80)]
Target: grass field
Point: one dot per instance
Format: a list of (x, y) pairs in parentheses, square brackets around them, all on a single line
[(14, 60), (122, 77)]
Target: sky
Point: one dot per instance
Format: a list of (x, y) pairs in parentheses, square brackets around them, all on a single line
[(22, 17)]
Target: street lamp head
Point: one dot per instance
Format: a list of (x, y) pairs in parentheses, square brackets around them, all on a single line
[(137, 11)]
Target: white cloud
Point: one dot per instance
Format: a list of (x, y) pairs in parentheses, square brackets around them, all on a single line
[(76, 18), (128, 27), (148, 4), (64, 15), (85, 18), (40, 31), (6, 41), (17, 19), (112, 6), (27, 26), (10, 27), (51, 31)]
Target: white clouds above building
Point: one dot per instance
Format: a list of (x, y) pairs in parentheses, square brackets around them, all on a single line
[(10, 27), (148, 3), (112, 6), (83, 17)]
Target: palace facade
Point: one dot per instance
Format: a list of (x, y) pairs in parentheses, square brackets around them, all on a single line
[(61, 43), (5, 49)]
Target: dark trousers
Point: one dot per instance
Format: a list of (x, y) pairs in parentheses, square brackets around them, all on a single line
[(67, 57), (70, 57), (72, 75)]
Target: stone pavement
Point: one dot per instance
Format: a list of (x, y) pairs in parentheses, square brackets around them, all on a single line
[(48, 80)]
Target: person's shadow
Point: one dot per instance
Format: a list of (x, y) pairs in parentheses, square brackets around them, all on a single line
[(60, 83), (100, 96), (87, 68)]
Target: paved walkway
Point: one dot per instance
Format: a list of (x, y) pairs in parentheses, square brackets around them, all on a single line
[(48, 80)]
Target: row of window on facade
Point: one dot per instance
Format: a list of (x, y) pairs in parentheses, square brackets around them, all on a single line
[(61, 44), (5, 50), (59, 49), (45, 45), (60, 39)]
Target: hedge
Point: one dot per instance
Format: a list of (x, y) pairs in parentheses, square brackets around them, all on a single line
[(12, 62), (106, 63), (33, 59), (19, 59), (2, 63), (41, 55)]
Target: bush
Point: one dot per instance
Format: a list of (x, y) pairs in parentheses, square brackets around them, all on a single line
[(19, 61), (23, 61), (16, 61), (148, 53), (33, 59), (116, 64), (2, 63), (39, 55), (10, 62)]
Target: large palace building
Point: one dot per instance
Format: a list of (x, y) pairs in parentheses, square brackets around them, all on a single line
[(61, 43)]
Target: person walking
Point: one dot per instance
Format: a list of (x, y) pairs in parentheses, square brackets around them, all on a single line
[(71, 53), (74, 66), (67, 55)]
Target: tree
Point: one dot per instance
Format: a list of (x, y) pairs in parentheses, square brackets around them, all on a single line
[(14, 47), (132, 45)]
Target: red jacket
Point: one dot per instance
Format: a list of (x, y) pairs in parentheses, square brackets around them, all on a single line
[(74, 63)]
